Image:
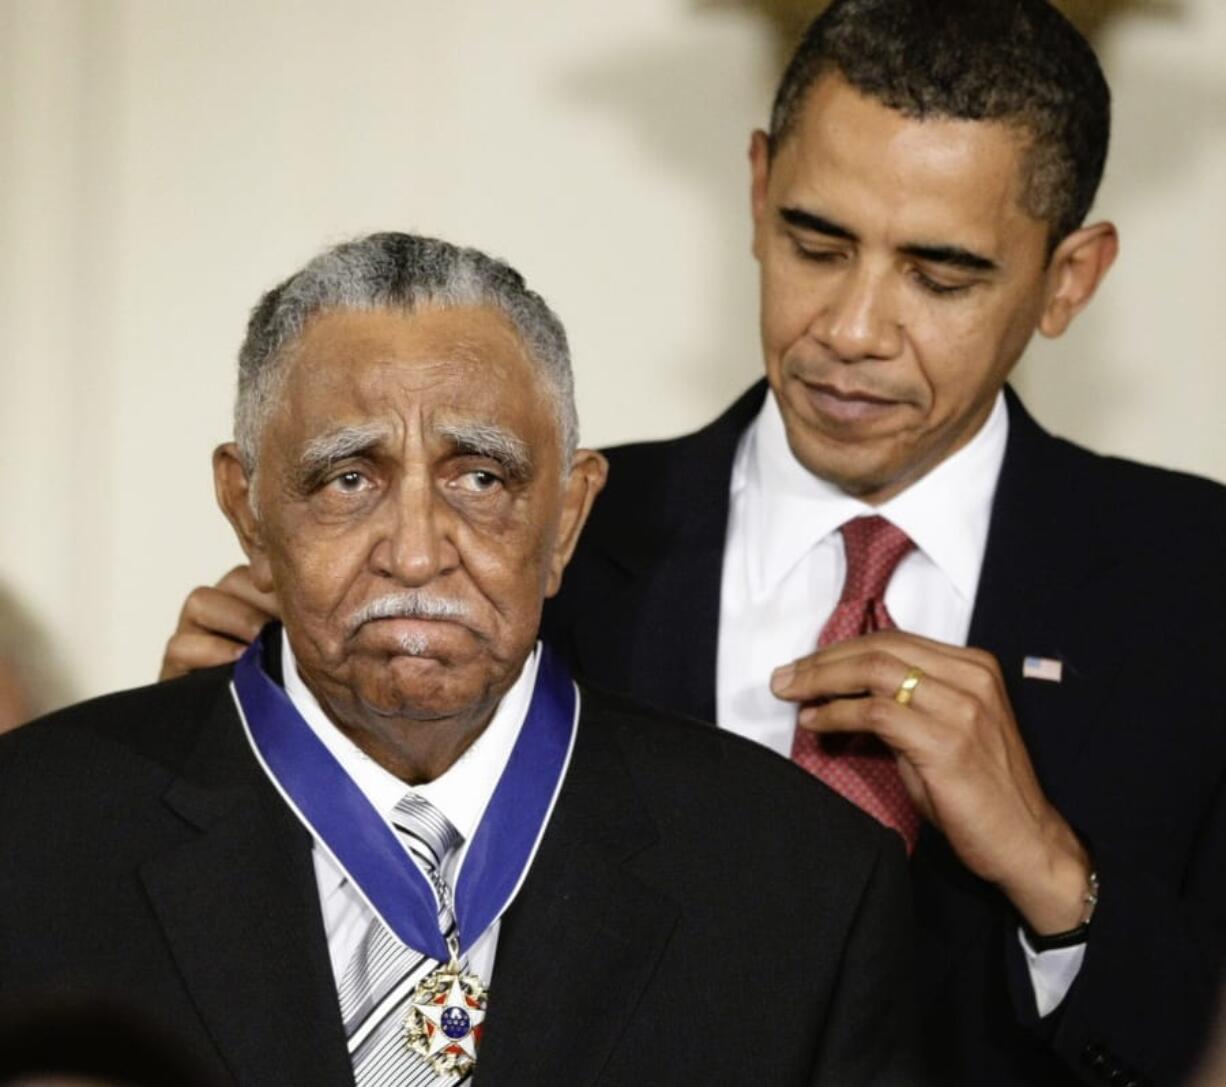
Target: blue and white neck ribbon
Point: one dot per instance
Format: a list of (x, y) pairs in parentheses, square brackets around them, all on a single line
[(338, 815)]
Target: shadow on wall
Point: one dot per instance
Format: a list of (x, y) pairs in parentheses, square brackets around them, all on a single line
[(32, 679), (1170, 119), (689, 102), (1137, 373)]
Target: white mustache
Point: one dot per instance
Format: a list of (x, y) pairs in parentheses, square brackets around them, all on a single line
[(411, 604)]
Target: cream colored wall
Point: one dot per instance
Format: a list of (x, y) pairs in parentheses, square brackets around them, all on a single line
[(1143, 372), (163, 163)]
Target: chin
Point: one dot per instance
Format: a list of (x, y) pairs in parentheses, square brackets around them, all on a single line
[(414, 706), (854, 475), (418, 688)]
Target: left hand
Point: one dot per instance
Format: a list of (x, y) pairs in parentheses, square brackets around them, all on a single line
[(961, 757)]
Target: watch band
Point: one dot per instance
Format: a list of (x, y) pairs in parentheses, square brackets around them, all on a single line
[(1073, 936)]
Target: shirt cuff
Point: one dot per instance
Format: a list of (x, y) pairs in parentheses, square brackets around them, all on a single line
[(1052, 973)]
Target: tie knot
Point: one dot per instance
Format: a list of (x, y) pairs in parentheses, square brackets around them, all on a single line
[(874, 548), (427, 832)]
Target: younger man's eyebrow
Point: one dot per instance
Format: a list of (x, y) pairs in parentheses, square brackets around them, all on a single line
[(953, 255), (488, 440), (817, 224)]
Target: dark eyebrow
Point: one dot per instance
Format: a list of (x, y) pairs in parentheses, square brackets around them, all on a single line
[(807, 220), (953, 255)]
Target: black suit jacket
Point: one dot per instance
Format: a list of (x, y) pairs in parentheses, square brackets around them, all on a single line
[(698, 911), (1115, 569)]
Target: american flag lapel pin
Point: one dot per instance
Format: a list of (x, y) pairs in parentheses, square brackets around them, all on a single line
[(1043, 668)]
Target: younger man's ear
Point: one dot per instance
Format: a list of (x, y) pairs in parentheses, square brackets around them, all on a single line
[(234, 496), (1078, 266)]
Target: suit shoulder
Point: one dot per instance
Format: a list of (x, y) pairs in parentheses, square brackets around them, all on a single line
[(1115, 476), (700, 769), (156, 723), (1149, 509)]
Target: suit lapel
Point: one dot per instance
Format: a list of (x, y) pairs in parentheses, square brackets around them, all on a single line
[(664, 527), (1045, 562), (1045, 565), (239, 909), (584, 936)]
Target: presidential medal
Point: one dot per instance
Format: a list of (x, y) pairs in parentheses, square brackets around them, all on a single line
[(444, 1024)]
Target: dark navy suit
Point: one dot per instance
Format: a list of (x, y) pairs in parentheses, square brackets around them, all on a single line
[(1116, 569), (674, 928)]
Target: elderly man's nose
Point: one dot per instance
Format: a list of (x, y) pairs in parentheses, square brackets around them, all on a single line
[(415, 545)]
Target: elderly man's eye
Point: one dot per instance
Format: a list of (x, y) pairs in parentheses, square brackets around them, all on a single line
[(480, 480), (349, 482)]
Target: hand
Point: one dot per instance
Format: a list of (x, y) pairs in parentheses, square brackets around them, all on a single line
[(217, 624), (961, 758)]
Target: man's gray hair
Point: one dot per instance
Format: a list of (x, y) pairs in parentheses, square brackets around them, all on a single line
[(399, 272)]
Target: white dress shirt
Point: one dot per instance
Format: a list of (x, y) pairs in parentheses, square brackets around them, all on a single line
[(461, 793), (783, 574)]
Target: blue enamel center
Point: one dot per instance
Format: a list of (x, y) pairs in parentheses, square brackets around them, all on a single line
[(455, 1022)]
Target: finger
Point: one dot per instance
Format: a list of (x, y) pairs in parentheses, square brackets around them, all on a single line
[(947, 711), (190, 652), (214, 611), (887, 720), (238, 583), (923, 740), (904, 644), (874, 671), (942, 730), (885, 662), (916, 786)]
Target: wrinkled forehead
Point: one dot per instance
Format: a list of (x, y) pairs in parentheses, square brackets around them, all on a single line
[(435, 339), (359, 377)]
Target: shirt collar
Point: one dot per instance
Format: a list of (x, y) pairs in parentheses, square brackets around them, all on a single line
[(788, 510), (462, 792)]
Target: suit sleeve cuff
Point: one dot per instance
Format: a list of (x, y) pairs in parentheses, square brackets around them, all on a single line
[(1052, 973)]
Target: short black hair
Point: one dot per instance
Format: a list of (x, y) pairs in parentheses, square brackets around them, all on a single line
[(1019, 62)]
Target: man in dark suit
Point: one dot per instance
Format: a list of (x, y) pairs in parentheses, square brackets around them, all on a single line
[(310, 865), (920, 208), (919, 211)]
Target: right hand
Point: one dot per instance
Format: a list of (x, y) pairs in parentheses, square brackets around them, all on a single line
[(217, 624)]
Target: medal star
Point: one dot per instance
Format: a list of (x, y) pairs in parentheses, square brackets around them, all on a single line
[(446, 1026)]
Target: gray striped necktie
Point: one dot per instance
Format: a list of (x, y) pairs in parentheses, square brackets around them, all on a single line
[(381, 976)]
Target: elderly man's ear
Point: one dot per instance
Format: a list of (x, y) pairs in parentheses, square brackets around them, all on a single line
[(588, 473), (233, 490)]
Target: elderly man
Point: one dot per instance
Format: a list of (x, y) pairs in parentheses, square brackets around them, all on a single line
[(920, 208), (393, 844)]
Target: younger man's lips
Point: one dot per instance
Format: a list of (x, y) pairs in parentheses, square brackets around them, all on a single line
[(846, 406)]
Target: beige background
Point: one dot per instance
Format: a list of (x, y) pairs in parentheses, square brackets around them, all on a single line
[(164, 161)]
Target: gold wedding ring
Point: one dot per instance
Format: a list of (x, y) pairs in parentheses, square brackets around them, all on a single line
[(907, 687)]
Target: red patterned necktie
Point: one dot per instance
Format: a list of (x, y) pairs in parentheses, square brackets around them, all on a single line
[(861, 767)]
